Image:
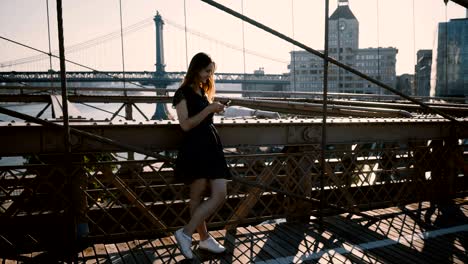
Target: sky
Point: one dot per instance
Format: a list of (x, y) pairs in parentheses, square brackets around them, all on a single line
[(92, 32)]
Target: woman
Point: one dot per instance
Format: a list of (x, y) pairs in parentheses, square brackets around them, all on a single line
[(200, 161)]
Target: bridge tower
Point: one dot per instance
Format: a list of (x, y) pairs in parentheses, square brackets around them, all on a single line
[(160, 66), (161, 111)]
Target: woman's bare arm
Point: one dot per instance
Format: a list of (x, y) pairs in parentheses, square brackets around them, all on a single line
[(187, 123)]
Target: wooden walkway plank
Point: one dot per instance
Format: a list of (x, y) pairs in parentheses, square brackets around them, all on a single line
[(236, 251), (419, 244), (281, 242), (346, 251), (359, 235), (354, 254), (310, 246), (330, 251), (87, 255), (143, 251), (306, 245), (100, 253), (255, 244), (294, 233), (399, 237), (401, 232), (163, 253), (268, 245), (392, 229), (125, 253), (391, 233), (435, 248), (228, 256), (113, 252), (273, 244), (168, 249), (431, 249)]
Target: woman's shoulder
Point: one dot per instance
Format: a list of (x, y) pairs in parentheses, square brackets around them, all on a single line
[(184, 88), (183, 92)]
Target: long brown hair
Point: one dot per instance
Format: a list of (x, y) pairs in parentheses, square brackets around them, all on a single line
[(199, 62)]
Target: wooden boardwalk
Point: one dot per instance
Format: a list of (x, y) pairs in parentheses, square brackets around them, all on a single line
[(416, 233)]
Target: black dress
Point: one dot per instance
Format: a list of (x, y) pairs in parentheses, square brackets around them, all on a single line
[(200, 154)]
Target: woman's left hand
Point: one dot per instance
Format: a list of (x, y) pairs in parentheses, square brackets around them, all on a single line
[(216, 107)]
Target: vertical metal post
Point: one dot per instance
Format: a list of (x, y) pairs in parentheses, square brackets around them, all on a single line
[(324, 118), (63, 77), (69, 211)]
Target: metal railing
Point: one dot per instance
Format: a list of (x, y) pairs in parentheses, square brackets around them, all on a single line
[(277, 177)]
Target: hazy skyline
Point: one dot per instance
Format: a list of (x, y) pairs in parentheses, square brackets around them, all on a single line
[(384, 23)]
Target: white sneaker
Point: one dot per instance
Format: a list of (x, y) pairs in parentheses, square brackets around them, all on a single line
[(211, 245), (184, 242)]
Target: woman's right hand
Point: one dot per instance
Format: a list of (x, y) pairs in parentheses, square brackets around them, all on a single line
[(215, 107)]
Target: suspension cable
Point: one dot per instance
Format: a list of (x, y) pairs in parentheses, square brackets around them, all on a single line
[(414, 37), (69, 61), (185, 30), (293, 47), (224, 43), (50, 49), (134, 28), (446, 49), (87, 44), (122, 45), (243, 36), (378, 47)]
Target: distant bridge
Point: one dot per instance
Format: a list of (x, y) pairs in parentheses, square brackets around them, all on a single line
[(143, 77)]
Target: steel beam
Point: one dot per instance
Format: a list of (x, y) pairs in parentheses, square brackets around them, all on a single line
[(285, 95), (20, 138)]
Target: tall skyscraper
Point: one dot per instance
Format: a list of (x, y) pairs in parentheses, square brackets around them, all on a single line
[(422, 73), (306, 69), (449, 73)]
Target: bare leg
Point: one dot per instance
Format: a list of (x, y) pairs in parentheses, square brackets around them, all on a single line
[(196, 196), (207, 207)]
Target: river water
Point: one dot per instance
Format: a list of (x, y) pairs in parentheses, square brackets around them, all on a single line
[(89, 112)]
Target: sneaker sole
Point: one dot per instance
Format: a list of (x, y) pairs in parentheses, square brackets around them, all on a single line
[(215, 252), (180, 248)]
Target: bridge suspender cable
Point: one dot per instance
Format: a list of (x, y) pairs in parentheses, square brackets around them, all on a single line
[(446, 50), (378, 47), (185, 31), (243, 37), (293, 48), (50, 49), (414, 45), (331, 60), (122, 46)]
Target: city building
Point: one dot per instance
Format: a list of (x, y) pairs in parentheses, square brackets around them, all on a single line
[(306, 69), (422, 73), (405, 84), (246, 86), (449, 73)]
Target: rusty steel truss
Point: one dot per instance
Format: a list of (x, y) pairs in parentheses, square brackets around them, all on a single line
[(122, 194)]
